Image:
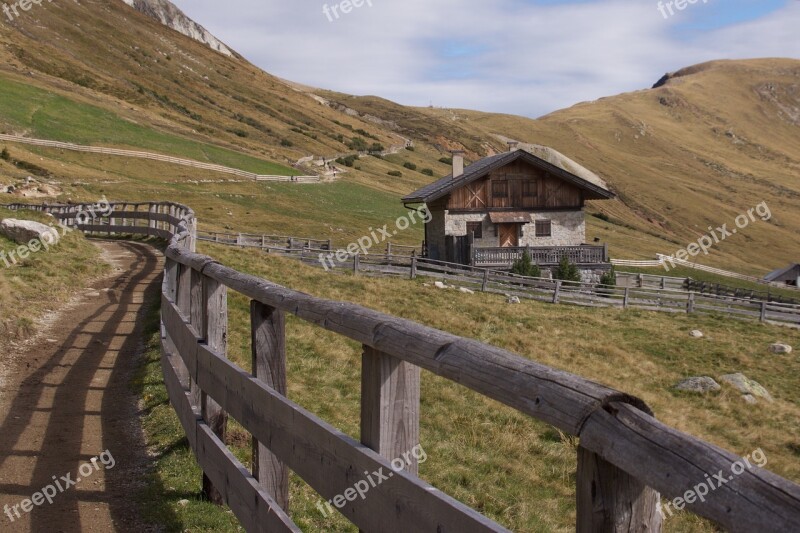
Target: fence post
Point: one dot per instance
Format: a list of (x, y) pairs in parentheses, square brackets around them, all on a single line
[(611, 500), (355, 264), (268, 342), (485, 284), (627, 299), (763, 311), (690, 304), (557, 292), (390, 393), (216, 322), (388, 250), (641, 281), (663, 282), (413, 267), (263, 241)]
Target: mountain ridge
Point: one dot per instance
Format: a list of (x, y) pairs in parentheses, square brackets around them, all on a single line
[(714, 138)]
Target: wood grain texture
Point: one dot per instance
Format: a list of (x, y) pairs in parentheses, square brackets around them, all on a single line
[(674, 463), (332, 462), (268, 343), (216, 337), (253, 506), (609, 500), (390, 395)]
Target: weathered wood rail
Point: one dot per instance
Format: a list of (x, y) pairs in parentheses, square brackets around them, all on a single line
[(625, 455)]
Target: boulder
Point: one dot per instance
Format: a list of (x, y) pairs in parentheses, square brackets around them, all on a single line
[(24, 231), (697, 334), (513, 300), (698, 384), (746, 386), (440, 285), (780, 348), (466, 290)]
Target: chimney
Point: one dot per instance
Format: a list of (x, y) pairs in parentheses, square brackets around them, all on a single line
[(513, 145), (458, 163)]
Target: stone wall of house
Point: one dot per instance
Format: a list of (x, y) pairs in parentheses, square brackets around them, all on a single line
[(569, 228), (456, 224)]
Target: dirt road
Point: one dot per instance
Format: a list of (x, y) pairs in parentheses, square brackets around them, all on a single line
[(67, 400)]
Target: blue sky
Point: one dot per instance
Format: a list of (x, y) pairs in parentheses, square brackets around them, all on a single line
[(527, 57)]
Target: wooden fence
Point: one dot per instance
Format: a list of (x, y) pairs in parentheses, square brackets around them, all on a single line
[(637, 291), (662, 259), (541, 255), (156, 157), (625, 455)]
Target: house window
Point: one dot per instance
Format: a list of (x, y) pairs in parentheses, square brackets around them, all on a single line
[(528, 189), (544, 228), (475, 229), (500, 189)]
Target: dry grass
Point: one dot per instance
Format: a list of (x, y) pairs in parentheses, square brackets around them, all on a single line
[(518, 471), (43, 280)]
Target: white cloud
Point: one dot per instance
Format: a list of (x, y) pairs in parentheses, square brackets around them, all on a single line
[(504, 56)]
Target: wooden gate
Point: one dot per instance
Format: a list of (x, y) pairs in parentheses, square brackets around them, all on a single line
[(458, 249)]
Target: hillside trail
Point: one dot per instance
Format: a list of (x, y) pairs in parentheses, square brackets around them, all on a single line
[(67, 399)]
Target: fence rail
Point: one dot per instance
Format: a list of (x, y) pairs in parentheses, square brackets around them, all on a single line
[(635, 291), (625, 455), (663, 259), (542, 255), (156, 157)]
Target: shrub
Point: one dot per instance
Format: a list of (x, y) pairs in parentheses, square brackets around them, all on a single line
[(602, 216), (358, 144), (395, 173), (4, 155), (376, 147), (238, 132), (286, 142), (410, 148), (446, 160), (524, 266), (566, 271), (427, 171), (348, 161), (410, 166), (609, 278)]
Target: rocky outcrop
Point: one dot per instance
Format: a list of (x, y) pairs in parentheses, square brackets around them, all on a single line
[(25, 231), (169, 15), (749, 388), (700, 385), (779, 348)]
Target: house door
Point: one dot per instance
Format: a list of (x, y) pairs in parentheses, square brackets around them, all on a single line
[(509, 235)]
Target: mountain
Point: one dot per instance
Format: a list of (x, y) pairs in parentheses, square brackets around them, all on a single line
[(705, 145), (170, 16)]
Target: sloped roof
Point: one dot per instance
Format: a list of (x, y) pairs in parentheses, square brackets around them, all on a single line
[(540, 156), (772, 276)]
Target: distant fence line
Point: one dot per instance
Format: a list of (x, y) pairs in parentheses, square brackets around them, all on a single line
[(637, 291), (156, 157), (625, 456), (726, 273)]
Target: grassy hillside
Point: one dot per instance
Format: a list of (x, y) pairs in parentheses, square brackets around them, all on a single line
[(516, 470), (41, 282), (715, 140)]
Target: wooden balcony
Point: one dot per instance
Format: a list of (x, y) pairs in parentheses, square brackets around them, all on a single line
[(543, 256)]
